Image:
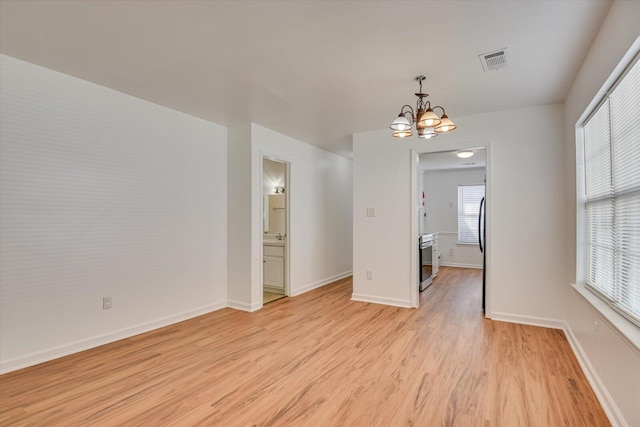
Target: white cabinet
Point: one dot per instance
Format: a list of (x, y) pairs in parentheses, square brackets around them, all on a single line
[(273, 268), (274, 272)]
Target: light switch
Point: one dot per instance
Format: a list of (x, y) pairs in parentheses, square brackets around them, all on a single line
[(371, 212)]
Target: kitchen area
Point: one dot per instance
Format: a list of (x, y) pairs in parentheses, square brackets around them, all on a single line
[(450, 195), (428, 257)]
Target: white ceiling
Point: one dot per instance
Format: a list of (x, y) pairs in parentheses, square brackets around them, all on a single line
[(315, 70), (450, 160)]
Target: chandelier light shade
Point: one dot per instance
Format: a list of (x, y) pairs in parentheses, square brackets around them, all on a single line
[(446, 125), (428, 124), (429, 119), (400, 123), (426, 133), (402, 133)]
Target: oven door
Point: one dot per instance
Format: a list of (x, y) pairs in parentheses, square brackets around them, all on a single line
[(426, 262)]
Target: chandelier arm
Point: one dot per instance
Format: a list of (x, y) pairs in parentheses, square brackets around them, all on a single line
[(423, 104), (423, 111), (437, 106), (404, 112)]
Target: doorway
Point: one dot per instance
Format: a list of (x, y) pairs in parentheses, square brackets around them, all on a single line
[(275, 226), (451, 206)]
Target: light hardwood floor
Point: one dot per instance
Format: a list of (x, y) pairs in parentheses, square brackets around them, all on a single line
[(318, 359), (268, 297)]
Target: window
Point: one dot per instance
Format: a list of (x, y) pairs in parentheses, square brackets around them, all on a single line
[(469, 198), (612, 195)]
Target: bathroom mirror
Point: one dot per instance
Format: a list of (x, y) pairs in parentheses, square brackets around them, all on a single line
[(273, 199), (265, 213), (277, 214)]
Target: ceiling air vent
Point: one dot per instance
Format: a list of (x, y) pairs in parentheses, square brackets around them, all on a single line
[(494, 60)]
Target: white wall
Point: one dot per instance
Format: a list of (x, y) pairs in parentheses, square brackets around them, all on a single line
[(239, 231), (524, 169), (421, 202), (320, 227), (381, 244), (611, 361), (320, 194), (441, 189), (102, 194)]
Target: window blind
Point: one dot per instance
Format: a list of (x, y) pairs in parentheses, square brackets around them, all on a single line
[(469, 197), (612, 190)]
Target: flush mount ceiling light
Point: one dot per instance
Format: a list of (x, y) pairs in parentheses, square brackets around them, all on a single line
[(428, 123), (464, 154)]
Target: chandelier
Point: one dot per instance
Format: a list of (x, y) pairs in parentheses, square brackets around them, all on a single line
[(428, 124)]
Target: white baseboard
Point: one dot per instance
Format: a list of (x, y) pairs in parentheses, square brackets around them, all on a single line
[(85, 344), (381, 300), (605, 399), (526, 320), (608, 404), (455, 264), (320, 283), (239, 305), (243, 306)]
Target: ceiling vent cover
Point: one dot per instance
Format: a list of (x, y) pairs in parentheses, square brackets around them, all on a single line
[(494, 60)]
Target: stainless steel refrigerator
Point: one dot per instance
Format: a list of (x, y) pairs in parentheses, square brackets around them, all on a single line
[(482, 243)]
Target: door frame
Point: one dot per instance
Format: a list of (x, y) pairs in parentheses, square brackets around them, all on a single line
[(287, 242), (415, 158)]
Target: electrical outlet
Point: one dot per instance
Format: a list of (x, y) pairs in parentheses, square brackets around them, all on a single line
[(106, 303), (596, 328), (451, 252), (371, 212), (369, 275)]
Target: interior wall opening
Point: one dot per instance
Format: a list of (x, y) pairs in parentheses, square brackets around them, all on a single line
[(450, 217), (275, 238)]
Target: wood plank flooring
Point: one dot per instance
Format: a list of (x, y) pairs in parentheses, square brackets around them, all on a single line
[(268, 297), (318, 359)]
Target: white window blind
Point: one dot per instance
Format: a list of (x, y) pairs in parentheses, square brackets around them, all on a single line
[(469, 197), (612, 190)]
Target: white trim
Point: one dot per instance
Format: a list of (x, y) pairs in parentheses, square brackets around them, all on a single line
[(266, 154), (606, 401), (414, 159), (543, 322), (320, 283), (460, 265), (621, 326), (617, 72), (602, 394), (381, 300), (243, 306), (624, 328), (455, 146), (109, 337)]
